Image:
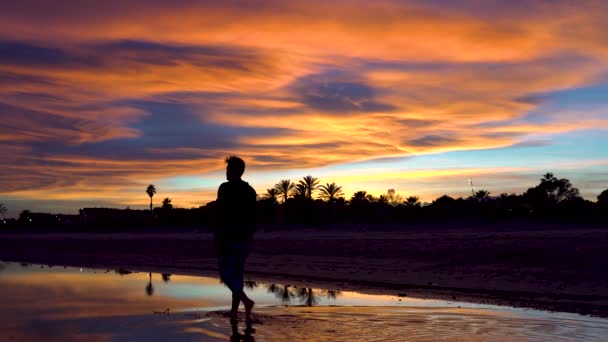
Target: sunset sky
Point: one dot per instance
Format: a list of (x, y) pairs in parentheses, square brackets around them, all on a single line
[(100, 99)]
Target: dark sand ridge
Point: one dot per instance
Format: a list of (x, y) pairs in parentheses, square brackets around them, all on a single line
[(562, 269)]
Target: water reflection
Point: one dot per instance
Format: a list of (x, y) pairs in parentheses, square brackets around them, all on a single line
[(250, 284), (149, 287), (284, 293), (122, 272), (66, 304), (247, 335), (307, 296)]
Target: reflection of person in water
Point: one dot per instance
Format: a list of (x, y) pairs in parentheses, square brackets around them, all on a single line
[(238, 337), (236, 201)]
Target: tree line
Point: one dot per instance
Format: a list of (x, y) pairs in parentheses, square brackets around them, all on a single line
[(306, 201)]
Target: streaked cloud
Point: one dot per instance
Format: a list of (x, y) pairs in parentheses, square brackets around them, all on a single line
[(116, 95)]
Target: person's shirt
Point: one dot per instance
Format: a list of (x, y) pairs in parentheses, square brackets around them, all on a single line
[(236, 201)]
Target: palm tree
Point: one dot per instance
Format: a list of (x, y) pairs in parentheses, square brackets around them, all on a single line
[(482, 195), (412, 201), (299, 191), (330, 192), (151, 190), (393, 198), (284, 187), (602, 198), (359, 197), (167, 203), (3, 210), (310, 184), (271, 195)]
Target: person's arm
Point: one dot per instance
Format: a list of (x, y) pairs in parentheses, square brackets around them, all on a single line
[(219, 210), (252, 214)]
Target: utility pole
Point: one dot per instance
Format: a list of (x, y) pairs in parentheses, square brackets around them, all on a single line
[(472, 187)]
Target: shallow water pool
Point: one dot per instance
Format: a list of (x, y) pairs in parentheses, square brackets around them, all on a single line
[(40, 302)]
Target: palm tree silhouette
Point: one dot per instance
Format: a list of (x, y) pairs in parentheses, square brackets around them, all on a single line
[(602, 198), (151, 190), (299, 191), (412, 201), (330, 192), (149, 287), (271, 195), (167, 204), (558, 190), (482, 195), (310, 185), (393, 198), (285, 187), (359, 197), (3, 210)]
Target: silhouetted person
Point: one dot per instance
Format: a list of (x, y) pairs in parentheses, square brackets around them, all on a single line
[(236, 201)]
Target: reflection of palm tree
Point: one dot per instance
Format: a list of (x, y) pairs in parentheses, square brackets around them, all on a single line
[(272, 288), (284, 293), (149, 287), (308, 296), (166, 277), (284, 187), (151, 190), (310, 184), (250, 284), (329, 192), (332, 294)]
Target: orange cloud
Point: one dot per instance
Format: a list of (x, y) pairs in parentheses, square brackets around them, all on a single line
[(120, 95)]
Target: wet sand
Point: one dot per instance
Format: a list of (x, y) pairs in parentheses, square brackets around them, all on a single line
[(410, 324), (554, 269)]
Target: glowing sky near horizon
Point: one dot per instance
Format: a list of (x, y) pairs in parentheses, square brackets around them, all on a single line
[(100, 99)]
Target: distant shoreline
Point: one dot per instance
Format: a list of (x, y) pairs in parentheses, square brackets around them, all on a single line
[(549, 269)]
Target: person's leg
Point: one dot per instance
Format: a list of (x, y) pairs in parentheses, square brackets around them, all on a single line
[(236, 300), (247, 302)]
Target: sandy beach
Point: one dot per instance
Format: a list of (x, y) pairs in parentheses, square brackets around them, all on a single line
[(551, 268)]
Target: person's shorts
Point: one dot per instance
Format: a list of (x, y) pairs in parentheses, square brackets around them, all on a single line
[(231, 263)]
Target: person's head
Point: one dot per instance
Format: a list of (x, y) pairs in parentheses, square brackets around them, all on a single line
[(235, 168)]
